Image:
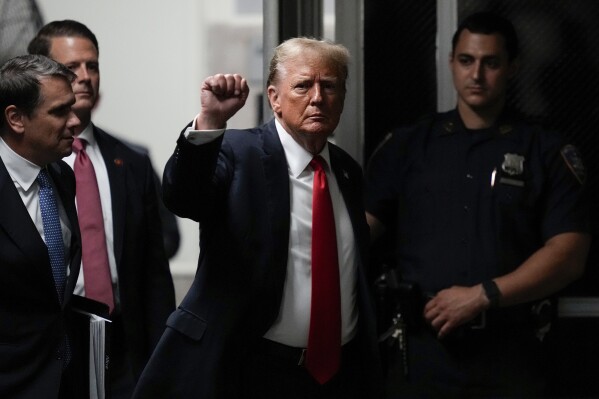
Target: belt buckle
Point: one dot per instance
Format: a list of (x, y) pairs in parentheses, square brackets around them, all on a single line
[(302, 358), (480, 322)]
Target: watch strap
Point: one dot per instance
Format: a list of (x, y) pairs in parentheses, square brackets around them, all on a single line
[(492, 292)]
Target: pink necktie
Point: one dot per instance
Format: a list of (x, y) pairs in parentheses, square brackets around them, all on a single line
[(323, 356), (96, 270)]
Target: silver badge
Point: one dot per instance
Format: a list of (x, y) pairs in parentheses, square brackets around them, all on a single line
[(513, 164)]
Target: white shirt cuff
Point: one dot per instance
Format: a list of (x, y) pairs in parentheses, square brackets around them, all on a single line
[(198, 137)]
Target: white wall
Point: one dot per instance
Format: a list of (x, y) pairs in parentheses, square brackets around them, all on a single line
[(154, 55)]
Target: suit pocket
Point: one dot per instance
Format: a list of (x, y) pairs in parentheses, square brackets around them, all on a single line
[(187, 324)]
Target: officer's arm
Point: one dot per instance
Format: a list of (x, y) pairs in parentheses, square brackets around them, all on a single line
[(559, 262), (377, 228)]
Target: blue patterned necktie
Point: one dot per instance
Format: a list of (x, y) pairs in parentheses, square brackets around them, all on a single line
[(52, 231)]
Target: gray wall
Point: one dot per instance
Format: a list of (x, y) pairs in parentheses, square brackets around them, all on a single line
[(154, 55)]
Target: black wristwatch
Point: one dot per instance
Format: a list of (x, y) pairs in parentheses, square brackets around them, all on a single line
[(492, 292)]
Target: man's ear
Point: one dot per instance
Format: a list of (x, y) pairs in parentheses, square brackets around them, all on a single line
[(14, 118), (273, 98)]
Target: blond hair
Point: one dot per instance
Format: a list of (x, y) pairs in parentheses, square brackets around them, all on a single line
[(295, 47)]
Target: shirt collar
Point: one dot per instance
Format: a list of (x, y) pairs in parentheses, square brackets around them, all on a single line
[(21, 170), (297, 156), (88, 135), (503, 126)]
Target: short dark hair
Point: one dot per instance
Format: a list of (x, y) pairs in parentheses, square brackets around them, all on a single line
[(41, 43), (487, 23), (20, 80)]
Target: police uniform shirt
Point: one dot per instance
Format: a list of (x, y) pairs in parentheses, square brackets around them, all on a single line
[(472, 205)]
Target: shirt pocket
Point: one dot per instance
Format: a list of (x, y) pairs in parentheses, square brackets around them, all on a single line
[(512, 191)]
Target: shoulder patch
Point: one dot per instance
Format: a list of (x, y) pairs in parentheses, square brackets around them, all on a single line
[(572, 157)]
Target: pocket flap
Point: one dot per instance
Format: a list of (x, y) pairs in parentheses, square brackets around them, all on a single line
[(187, 324)]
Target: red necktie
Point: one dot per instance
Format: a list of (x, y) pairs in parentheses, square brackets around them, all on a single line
[(96, 270), (323, 356)]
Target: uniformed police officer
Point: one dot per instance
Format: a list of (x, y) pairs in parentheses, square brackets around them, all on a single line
[(491, 219)]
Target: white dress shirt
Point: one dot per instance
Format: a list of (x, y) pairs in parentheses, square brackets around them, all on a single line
[(95, 156), (23, 174), (292, 326)]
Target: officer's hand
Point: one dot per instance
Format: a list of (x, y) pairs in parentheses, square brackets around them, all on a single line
[(453, 307), (221, 97)]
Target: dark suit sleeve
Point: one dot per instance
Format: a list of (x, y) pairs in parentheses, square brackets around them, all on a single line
[(193, 178)]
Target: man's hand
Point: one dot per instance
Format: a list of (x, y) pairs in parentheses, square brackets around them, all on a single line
[(221, 97), (453, 307)]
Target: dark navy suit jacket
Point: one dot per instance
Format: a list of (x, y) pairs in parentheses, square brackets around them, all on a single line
[(146, 288), (237, 188), (33, 322)]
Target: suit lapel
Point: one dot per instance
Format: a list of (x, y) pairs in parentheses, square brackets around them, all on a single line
[(343, 180), (115, 166), (17, 223), (352, 199), (278, 207)]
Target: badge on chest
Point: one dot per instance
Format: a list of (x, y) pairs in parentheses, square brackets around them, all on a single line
[(513, 169)]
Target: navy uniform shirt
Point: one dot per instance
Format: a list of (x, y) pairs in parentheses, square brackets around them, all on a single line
[(468, 205)]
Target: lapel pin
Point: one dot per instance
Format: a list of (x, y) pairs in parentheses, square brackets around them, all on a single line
[(118, 162)]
